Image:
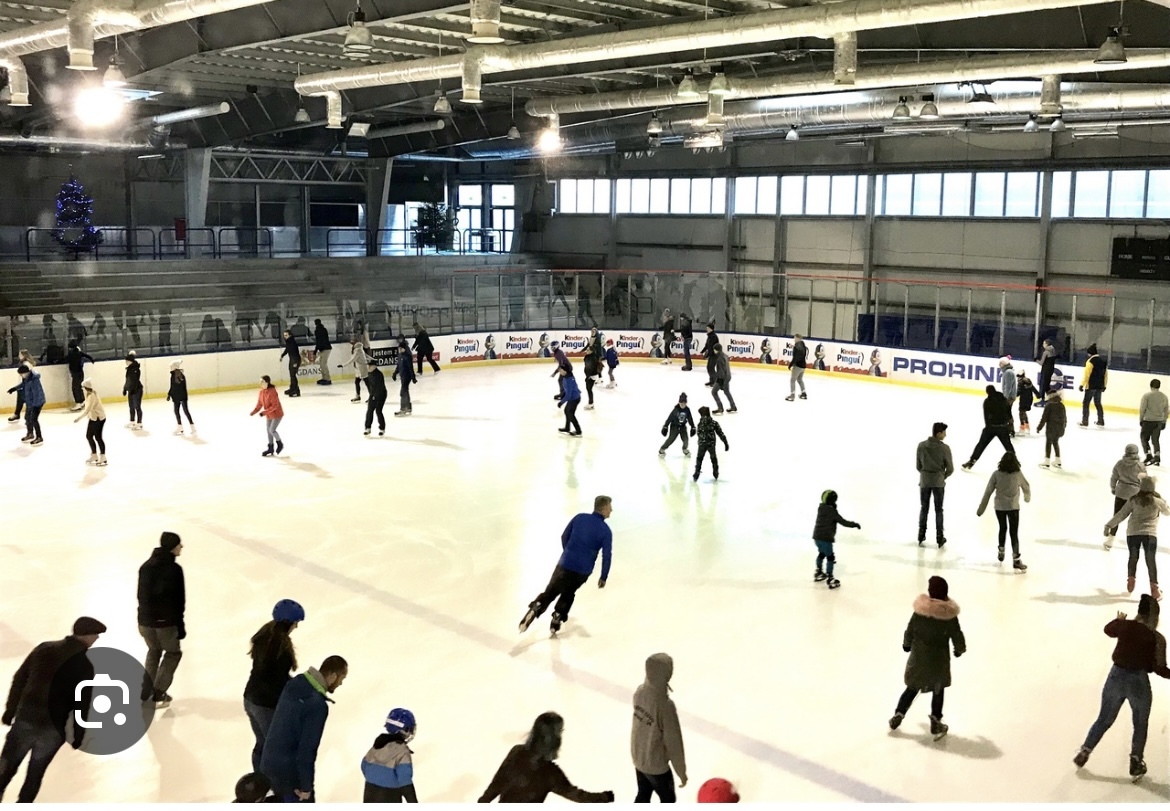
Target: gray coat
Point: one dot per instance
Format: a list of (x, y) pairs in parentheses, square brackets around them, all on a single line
[(1009, 382), (932, 629), (722, 368), (1155, 406), (1007, 487), (935, 464), (359, 360)]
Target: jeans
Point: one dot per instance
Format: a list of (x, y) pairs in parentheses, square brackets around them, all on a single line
[(562, 587), (41, 744), (294, 385), (571, 423), (936, 701), (20, 404), (686, 356), (134, 400), (1151, 434), (162, 657), (183, 404), (1009, 520), (271, 424), (796, 378), (1120, 686), (703, 451), (93, 435), (825, 552), (725, 387), (650, 784), (261, 719), (404, 395), (924, 494), (323, 363), (675, 433), (374, 407), (1092, 396), (75, 380), (1000, 432), (32, 420), (429, 357), (1147, 544), (1118, 503)]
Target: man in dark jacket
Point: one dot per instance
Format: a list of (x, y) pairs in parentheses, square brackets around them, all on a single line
[(1093, 385), (997, 424), (376, 386), (323, 347), (33, 394), (293, 352), (162, 601), (796, 369), (720, 368), (1047, 361), (688, 335), (405, 370), (40, 702), (76, 359), (423, 348), (290, 750), (712, 340)]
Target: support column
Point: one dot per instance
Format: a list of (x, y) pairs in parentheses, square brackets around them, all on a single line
[(779, 272), (867, 267), (197, 177), (1042, 261), (377, 197), (525, 212), (611, 237)]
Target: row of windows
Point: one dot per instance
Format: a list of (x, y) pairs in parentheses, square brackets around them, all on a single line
[(1116, 194)]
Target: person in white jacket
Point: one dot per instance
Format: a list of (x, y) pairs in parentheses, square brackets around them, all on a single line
[(1007, 482), (656, 741), (360, 361), (1125, 483), (93, 409), (1143, 512)]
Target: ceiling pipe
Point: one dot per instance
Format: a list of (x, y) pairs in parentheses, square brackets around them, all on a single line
[(819, 20), (80, 144), (910, 74), (333, 112), (845, 58), (407, 129), (207, 111), (1050, 95), (472, 78), (485, 22), (17, 82)]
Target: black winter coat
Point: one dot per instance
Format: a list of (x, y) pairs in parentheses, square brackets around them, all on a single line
[(712, 339), (799, 355), (43, 688), (1096, 374), (162, 592), (321, 338), (828, 519), (405, 368), (376, 385), (292, 349), (928, 638), (684, 329), (422, 343), (997, 411), (270, 673), (668, 331), (1026, 392), (178, 390), (74, 358), (133, 384)]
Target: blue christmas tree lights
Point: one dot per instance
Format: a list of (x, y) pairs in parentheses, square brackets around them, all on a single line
[(75, 229)]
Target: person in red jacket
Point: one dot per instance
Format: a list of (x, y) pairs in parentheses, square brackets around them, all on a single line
[(268, 406)]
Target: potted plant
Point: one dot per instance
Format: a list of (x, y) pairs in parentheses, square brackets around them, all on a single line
[(435, 226)]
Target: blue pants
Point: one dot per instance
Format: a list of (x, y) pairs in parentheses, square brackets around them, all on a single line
[(1124, 685), (825, 552), (261, 719)]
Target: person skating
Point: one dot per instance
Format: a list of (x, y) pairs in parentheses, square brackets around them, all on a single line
[(594, 358), (388, 766), (688, 335), (933, 628), (1140, 650), (1053, 421), (323, 348), (424, 349), (274, 659), (667, 335), (529, 773), (676, 425), (292, 351), (33, 394), (76, 359), (359, 359), (796, 369), (268, 407), (132, 390), (289, 759), (44, 692), (1141, 532), (722, 376), (1009, 385), (564, 363), (656, 742), (1027, 394), (1152, 415), (712, 340), (707, 430), (404, 370), (585, 536), (177, 394), (997, 424), (1125, 482), (162, 603), (376, 400), (825, 537), (95, 412), (935, 465), (611, 361), (1007, 482), (1093, 384), (1047, 361), (25, 359), (569, 400)]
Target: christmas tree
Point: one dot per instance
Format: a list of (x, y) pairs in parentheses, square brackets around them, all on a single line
[(74, 229)]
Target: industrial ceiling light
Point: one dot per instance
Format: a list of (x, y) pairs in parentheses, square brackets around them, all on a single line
[(442, 104), (98, 107), (792, 135), (1112, 51), (929, 110), (513, 133), (302, 115), (549, 141), (715, 111), (1031, 125), (902, 111), (687, 90), (1058, 125), (980, 97), (359, 129), (114, 76), (719, 85), (654, 126), (359, 40)]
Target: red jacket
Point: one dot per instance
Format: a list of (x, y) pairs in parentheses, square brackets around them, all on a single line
[(269, 403)]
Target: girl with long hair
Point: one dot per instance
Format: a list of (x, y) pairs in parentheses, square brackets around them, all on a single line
[(96, 412), (529, 773), (1007, 482), (1143, 512), (268, 406), (273, 659), (177, 394)]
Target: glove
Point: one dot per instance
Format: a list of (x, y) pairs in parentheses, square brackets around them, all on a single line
[(979, 512), (664, 430), (957, 654), (726, 447), (608, 795), (856, 525), (8, 718), (76, 742), (394, 376), (905, 649), (168, 398), (182, 630), (1080, 388), (1107, 530)]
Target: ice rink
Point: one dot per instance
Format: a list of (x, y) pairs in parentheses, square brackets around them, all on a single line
[(416, 554)]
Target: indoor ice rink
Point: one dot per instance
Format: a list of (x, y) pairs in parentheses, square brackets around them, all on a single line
[(415, 555)]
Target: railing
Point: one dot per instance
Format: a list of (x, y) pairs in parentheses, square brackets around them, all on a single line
[(490, 240), (355, 241), (240, 241), (116, 243), (196, 242)]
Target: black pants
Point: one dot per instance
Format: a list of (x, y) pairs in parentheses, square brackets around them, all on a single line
[(75, 380), (186, 411), (1009, 520), (1092, 396), (571, 415), (589, 388), (430, 358), (686, 359), (936, 701), (1118, 503), (20, 404), (667, 340), (703, 451), (134, 401), (1001, 432), (40, 744), (294, 385), (651, 784), (1051, 443), (1143, 544), (1024, 414), (93, 435), (404, 395), (562, 587), (378, 794), (675, 432), (374, 407), (1046, 372), (1151, 434), (925, 494), (357, 386), (32, 420)]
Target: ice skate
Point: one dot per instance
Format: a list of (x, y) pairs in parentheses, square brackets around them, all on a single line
[(1045, 463), (686, 452), (178, 432), (661, 452), (16, 418), (715, 473), (529, 618), (789, 399), (356, 400), (1018, 565), (192, 430), (1001, 554), (803, 396), (717, 411), (566, 430), (76, 407), (279, 447), (1084, 423), (37, 441), (696, 476), (92, 459), (819, 576), (574, 433), (1056, 462), (589, 407), (1157, 460), (555, 626), (381, 432), (732, 410), (1155, 592), (970, 463), (27, 438), (834, 583), (1130, 585), (1108, 543), (267, 452), (938, 729), (1137, 768), (162, 701), (1082, 757), (942, 542), (366, 432), (896, 721), (101, 462), (1101, 423), (1149, 460), (609, 385)]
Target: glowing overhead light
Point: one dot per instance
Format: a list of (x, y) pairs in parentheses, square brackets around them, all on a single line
[(1031, 125), (442, 105), (687, 90), (359, 129), (654, 126), (549, 141), (513, 133), (302, 116), (718, 86), (1112, 51), (792, 135), (902, 111), (98, 107), (1058, 125), (114, 76), (929, 110), (359, 40)]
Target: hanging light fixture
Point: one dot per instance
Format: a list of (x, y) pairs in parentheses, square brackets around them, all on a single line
[(719, 85), (792, 135), (114, 76), (359, 40), (1058, 125), (654, 126), (302, 115), (513, 131), (687, 90), (902, 111), (1112, 51), (1031, 125), (980, 97), (442, 104), (929, 110)]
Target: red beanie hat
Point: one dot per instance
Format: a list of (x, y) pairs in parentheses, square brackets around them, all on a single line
[(717, 790)]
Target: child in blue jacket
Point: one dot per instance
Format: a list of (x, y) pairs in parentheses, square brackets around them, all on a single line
[(569, 400), (387, 767), (611, 360), (825, 535)]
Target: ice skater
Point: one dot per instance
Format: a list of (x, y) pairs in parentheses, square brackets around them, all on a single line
[(1141, 532), (707, 430), (611, 361), (177, 394), (676, 425), (1140, 650), (424, 349), (825, 537), (292, 351), (569, 400), (687, 332), (564, 363), (667, 335), (1125, 482), (708, 347), (33, 394), (1047, 361), (132, 390), (404, 370), (1007, 482), (162, 604), (1009, 385), (584, 538), (76, 359), (933, 628), (997, 424), (1093, 384), (529, 773), (656, 741), (376, 389), (323, 348), (359, 359), (935, 466), (268, 407), (274, 659), (388, 767), (1054, 421), (25, 359), (796, 370), (1152, 414), (95, 412), (1027, 394), (720, 370)]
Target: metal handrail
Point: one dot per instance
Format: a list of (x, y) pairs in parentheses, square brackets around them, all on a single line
[(482, 233), (363, 243), (245, 229), (187, 243)]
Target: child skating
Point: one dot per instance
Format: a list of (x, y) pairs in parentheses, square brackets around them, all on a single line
[(825, 535), (1054, 420), (611, 360), (569, 400), (1027, 394), (676, 426), (177, 394), (709, 429)]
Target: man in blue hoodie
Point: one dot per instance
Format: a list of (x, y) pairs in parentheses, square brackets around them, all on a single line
[(290, 751), (585, 536), (33, 394)]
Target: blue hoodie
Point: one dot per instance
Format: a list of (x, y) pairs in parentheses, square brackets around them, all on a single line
[(571, 391), (290, 751), (585, 536), (34, 392)]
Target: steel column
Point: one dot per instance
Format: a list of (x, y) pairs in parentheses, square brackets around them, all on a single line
[(1002, 318), (1112, 321), (1150, 341), (906, 315), (968, 343), (937, 313)]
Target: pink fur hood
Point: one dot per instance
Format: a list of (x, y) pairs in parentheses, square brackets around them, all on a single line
[(935, 609)]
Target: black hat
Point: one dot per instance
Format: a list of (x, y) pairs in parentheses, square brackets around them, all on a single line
[(1147, 605), (22, 369), (169, 541), (682, 398), (87, 626), (937, 588), (1092, 350)]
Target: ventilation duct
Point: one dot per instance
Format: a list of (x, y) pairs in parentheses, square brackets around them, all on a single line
[(17, 82), (819, 20), (333, 114), (1050, 95), (77, 144), (845, 58), (191, 114), (472, 79), (407, 129), (485, 22)]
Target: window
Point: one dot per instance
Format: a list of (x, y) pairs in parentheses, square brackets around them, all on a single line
[(680, 196), (718, 195), (956, 194), (817, 189), (1158, 194), (766, 195), (898, 195), (470, 196), (622, 191), (1061, 193), (566, 197), (745, 196), (600, 196), (927, 200), (504, 195), (1091, 194), (640, 196), (1127, 194), (843, 197), (1022, 197), (862, 190), (792, 195), (659, 196), (989, 190), (582, 196)]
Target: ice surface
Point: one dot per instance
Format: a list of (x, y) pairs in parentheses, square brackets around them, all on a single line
[(416, 554)]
